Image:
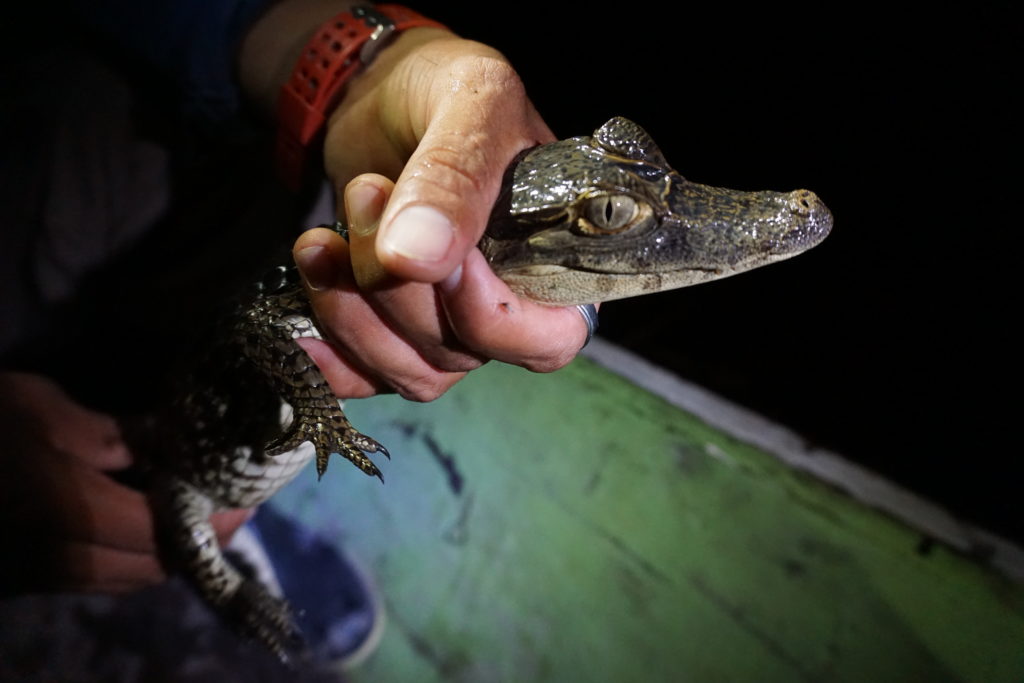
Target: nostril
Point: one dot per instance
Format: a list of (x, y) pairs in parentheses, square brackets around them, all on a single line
[(803, 202)]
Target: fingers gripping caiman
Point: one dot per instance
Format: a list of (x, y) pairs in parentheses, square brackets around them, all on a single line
[(578, 221), (267, 331)]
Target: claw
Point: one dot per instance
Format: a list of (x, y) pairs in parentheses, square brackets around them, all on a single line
[(366, 444), (330, 432)]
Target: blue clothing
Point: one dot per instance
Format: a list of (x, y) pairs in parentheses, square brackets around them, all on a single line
[(191, 43)]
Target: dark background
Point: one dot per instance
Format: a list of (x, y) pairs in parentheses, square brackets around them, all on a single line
[(894, 343)]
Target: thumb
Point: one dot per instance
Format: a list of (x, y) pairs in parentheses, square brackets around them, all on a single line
[(443, 198), (423, 241), (439, 208)]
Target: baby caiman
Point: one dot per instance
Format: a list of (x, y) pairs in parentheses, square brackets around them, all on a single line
[(578, 221)]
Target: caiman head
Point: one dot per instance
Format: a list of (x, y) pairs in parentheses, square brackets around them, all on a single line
[(605, 217)]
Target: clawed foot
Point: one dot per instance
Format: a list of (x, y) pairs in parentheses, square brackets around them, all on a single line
[(351, 445), (261, 616), (325, 425)]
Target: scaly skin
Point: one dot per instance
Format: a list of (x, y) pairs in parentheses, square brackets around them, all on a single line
[(221, 445), (579, 221)]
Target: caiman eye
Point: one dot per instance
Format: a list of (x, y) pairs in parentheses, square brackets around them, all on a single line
[(609, 214)]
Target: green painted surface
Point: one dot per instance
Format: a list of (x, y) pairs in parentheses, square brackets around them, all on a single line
[(573, 527)]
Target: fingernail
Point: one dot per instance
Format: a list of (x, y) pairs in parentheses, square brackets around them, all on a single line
[(316, 267), (420, 233), (451, 283), (364, 207)]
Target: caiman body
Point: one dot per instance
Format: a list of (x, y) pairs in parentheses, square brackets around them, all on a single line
[(582, 220)]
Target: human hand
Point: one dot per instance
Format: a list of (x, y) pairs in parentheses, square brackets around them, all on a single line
[(410, 304), (66, 524)]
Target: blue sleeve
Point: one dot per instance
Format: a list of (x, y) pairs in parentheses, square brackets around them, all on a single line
[(191, 43)]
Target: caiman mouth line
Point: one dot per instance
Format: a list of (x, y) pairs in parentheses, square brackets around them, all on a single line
[(550, 270)]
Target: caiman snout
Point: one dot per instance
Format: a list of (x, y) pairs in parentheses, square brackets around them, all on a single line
[(814, 223)]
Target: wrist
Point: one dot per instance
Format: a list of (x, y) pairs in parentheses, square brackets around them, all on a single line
[(339, 50), (390, 88), (272, 47)]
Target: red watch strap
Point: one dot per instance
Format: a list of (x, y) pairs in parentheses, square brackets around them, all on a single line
[(333, 55)]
